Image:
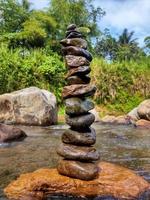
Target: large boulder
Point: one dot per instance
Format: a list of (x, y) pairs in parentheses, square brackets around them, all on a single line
[(144, 110), (10, 133), (133, 115), (113, 181), (30, 106)]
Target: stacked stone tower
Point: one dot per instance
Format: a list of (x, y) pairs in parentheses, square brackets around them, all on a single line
[(77, 142)]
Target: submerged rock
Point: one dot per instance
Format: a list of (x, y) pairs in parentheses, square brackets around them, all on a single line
[(80, 153), (77, 106), (76, 61), (80, 122), (80, 170), (113, 181), (79, 90), (10, 133), (29, 106), (88, 137)]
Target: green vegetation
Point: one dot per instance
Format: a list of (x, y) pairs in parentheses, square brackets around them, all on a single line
[(30, 53)]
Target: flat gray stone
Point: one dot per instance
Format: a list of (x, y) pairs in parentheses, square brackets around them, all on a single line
[(88, 137), (78, 106)]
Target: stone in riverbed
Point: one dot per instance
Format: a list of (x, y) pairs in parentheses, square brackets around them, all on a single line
[(72, 80), (80, 122), (11, 133), (80, 153), (78, 42), (143, 110), (79, 90), (83, 70), (88, 137), (80, 170), (76, 61), (142, 123), (113, 181), (77, 106), (76, 51), (29, 106)]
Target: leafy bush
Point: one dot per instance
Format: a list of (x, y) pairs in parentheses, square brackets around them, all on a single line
[(121, 86), (21, 68)]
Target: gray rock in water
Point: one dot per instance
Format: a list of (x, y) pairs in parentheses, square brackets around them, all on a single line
[(80, 122), (79, 90), (76, 61), (143, 110), (10, 133), (88, 137), (76, 51), (78, 42), (78, 106), (80, 71), (76, 169), (72, 80), (80, 153), (30, 106)]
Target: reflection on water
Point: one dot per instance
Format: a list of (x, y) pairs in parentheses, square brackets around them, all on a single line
[(124, 145)]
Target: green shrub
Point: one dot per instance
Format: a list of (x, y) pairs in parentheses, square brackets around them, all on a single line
[(21, 68), (121, 86)]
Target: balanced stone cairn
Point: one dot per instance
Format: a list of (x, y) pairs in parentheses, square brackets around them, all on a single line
[(77, 142)]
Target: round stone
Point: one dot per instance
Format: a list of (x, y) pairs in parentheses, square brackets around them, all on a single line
[(78, 80), (71, 27), (77, 106), (83, 70), (78, 90), (76, 61), (78, 42), (80, 153), (77, 51), (80, 122), (73, 34), (79, 170), (88, 137)]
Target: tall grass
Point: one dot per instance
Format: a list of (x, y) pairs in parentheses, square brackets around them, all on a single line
[(121, 86)]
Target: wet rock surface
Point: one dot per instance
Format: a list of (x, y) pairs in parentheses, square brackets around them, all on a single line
[(79, 170), (76, 61), (80, 90), (80, 122), (79, 71), (10, 133), (78, 42), (72, 80), (113, 182), (77, 106), (88, 137), (77, 51), (78, 139), (81, 153)]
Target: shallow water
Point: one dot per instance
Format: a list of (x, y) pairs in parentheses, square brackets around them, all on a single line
[(123, 145)]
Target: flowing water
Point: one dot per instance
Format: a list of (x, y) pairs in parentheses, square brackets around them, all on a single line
[(123, 145)]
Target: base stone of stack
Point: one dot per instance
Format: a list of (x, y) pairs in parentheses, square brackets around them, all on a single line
[(113, 181)]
